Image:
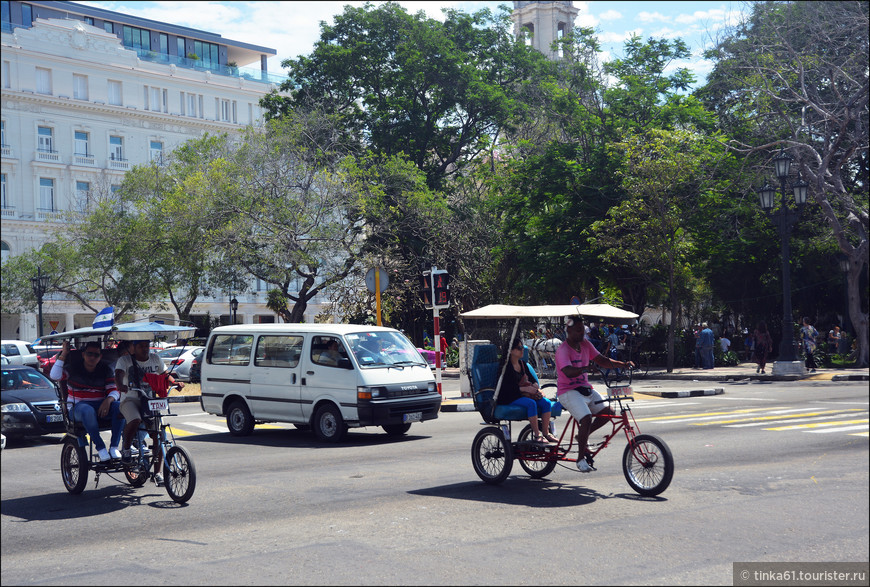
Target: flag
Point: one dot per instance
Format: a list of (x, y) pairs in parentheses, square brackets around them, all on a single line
[(105, 317)]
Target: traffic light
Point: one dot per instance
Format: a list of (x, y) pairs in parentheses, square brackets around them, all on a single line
[(441, 288), (426, 289)]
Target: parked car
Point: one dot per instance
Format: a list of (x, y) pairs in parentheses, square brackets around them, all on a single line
[(30, 404), (47, 357), (196, 369), (178, 360), (20, 352)]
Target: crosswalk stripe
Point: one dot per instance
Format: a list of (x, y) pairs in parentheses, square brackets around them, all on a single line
[(777, 417), (799, 419), (693, 416), (819, 425), (178, 432), (206, 426), (864, 434), (846, 429)]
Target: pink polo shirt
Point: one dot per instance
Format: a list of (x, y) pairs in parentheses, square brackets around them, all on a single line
[(567, 356)]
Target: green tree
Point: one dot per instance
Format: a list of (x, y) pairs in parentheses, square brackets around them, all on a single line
[(438, 93), (667, 176), (795, 75)]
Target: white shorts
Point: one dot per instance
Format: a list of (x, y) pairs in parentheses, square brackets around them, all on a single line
[(580, 405)]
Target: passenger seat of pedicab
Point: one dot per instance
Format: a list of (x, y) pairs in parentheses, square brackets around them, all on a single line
[(485, 373)]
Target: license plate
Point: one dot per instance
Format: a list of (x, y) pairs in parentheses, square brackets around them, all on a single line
[(155, 405), (412, 417), (54, 418), (624, 391)]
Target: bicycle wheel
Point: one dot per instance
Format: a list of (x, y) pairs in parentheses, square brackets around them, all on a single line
[(179, 474), (137, 473), (648, 465), (491, 455), (73, 466), (538, 467)]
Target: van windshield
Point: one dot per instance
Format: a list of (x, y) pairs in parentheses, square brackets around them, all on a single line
[(383, 349)]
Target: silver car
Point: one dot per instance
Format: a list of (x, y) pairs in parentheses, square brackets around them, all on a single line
[(20, 352), (178, 360)]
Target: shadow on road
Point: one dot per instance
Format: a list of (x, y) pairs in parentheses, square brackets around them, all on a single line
[(291, 438)]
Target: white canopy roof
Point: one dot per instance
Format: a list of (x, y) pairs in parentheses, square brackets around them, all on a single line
[(592, 310)]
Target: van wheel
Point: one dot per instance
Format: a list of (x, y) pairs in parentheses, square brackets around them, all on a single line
[(239, 419), (396, 429), (328, 424)]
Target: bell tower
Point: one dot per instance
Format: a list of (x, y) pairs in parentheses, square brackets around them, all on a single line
[(543, 22)]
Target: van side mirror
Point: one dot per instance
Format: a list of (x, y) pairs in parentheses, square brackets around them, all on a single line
[(345, 364)]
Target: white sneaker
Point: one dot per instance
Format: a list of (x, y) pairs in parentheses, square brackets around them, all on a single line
[(158, 479), (104, 455), (583, 466), (114, 452)]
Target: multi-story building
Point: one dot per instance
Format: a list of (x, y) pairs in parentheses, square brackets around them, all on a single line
[(89, 93), (542, 23)]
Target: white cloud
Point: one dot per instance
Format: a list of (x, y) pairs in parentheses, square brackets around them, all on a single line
[(610, 15), (645, 16)]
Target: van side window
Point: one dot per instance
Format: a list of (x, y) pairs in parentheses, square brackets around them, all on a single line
[(328, 351), (278, 351), (230, 349)]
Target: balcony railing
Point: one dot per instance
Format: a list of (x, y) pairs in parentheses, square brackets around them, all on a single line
[(6, 151), (7, 212), (49, 156), (249, 73), (119, 164), (49, 215), (87, 160)]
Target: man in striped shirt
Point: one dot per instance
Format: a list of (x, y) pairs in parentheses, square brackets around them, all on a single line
[(91, 394)]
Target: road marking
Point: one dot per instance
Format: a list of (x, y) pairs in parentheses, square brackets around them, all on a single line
[(695, 416), (212, 427), (748, 399), (784, 421), (777, 417), (864, 434), (847, 428), (666, 404), (178, 432), (820, 424)]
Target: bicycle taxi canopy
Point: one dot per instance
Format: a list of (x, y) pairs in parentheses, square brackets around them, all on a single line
[(484, 363), (127, 331)]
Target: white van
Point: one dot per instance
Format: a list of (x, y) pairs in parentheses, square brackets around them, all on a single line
[(328, 377)]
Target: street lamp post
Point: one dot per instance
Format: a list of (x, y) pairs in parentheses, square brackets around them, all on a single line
[(234, 305), (39, 285), (785, 218)]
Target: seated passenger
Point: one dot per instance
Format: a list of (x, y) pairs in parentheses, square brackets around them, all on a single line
[(518, 388), (130, 371), (331, 355), (91, 392)]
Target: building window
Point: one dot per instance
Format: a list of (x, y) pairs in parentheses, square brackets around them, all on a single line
[(4, 195), (80, 87), (89, 20), (3, 133), (45, 139), (83, 195), (202, 107), (115, 93), (154, 96), (5, 13), (107, 26), (82, 140), (136, 38), (4, 247), (43, 81), (156, 151), (164, 43), (26, 14), (225, 110), (191, 105), (207, 53), (116, 148), (6, 73), (179, 47), (46, 194)]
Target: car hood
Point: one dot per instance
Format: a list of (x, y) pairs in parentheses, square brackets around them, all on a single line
[(38, 394)]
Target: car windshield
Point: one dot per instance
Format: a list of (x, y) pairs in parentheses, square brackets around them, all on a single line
[(24, 379), (383, 349)]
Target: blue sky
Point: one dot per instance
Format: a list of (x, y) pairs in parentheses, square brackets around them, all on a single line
[(293, 27)]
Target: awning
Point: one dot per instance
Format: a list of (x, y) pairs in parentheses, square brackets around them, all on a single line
[(127, 331)]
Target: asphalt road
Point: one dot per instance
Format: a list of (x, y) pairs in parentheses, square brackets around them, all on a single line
[(764, 472)]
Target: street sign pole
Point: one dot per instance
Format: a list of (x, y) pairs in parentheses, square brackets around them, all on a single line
[(378, 295), (437, 317)]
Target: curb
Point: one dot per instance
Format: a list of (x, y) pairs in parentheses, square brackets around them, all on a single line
[(457, 406), (686, 393), (850, 378), (183, 399)]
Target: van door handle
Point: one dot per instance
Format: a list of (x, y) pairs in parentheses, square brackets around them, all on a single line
[(309, 372), (294, 379)]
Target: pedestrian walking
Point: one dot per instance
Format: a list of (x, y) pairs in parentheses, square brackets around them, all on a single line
[(809, 336), (706, 340), (762, 345)]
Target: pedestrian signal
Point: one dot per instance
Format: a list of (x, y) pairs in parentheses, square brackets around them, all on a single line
[(441, 288)]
